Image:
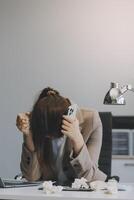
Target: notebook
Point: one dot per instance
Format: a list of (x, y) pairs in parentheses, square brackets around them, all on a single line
[(13, 183), (67, 188)]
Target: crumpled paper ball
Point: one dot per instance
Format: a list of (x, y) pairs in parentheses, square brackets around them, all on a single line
[(49, 188), (80, 183), (110, 187)]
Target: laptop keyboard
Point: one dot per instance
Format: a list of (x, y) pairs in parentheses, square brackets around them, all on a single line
[(20, 182)]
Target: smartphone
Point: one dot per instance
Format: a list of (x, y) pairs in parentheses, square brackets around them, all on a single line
[(72, 110)]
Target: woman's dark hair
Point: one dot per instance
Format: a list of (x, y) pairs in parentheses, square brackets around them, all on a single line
[(46, 121)]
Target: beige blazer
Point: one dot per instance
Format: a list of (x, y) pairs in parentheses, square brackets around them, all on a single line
[(84, 165)]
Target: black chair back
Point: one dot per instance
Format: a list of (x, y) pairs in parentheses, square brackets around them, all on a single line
[(106, 149)]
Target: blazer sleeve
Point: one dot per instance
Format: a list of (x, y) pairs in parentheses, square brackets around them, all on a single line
[(86, 163), (29, 164)]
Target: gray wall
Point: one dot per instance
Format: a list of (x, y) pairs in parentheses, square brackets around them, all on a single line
[(75, 46)]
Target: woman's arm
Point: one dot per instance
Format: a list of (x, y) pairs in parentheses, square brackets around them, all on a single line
[(29, 163), (85, 163)]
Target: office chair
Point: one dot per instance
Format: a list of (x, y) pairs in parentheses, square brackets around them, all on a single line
[(106, 149)]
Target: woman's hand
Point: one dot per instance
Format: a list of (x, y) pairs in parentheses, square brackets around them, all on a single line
[(70, 128), (22, 122)]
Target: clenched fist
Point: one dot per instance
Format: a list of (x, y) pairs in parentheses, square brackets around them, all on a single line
[(23, 122)]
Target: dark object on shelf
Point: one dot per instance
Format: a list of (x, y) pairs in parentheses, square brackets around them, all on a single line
[(123, 122)]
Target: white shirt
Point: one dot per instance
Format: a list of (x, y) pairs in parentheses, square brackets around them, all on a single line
[(58, 151)]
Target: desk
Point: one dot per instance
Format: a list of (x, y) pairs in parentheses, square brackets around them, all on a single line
[(32, 193)]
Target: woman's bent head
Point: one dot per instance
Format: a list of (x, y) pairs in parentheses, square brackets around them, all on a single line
[(46, 118)]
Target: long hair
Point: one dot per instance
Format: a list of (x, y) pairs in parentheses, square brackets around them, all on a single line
[(45, 123)]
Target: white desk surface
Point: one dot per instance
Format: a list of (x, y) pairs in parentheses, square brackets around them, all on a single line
[(32, 193)]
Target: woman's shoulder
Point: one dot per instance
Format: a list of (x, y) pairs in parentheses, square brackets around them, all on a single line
[(88, 111), (87, 114)]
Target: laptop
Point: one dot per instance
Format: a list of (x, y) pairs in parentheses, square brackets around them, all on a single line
[(13, 183)]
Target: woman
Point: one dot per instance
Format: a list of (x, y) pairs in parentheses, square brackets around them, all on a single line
[(57, 147)]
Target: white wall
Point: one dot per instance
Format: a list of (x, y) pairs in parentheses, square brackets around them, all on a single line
[(75, 46)]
